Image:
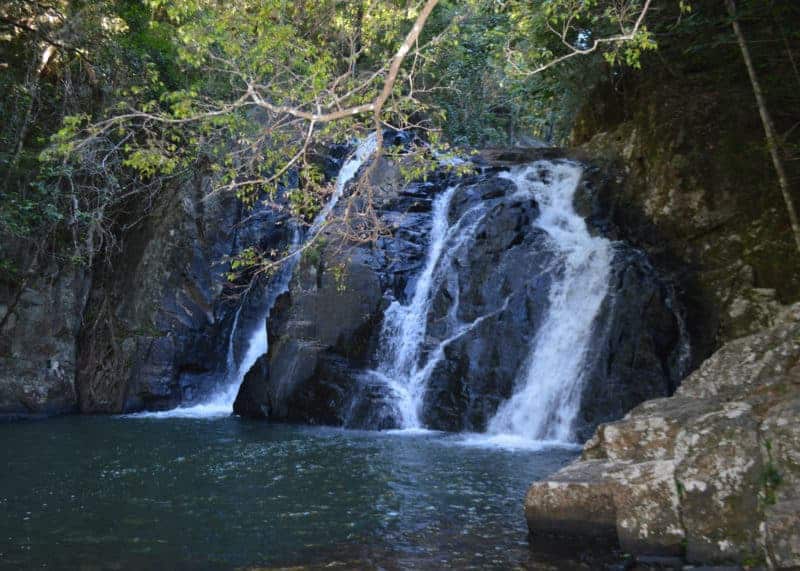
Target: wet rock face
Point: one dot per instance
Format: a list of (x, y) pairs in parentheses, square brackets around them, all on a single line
[(318, 335), (641, 350), (727, 449), (158, 318), (637, 339), (322, 332), (326, 331), (499, 276), (38, 352)]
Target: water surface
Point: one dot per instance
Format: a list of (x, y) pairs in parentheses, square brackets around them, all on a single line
[(128, 493)]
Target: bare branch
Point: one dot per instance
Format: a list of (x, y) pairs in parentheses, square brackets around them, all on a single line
[(577, 51)]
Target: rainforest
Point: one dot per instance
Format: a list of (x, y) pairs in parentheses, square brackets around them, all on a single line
[(400, 284)]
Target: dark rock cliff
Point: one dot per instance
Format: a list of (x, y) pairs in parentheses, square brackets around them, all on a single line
[(158, 320), (691, 180), (38, 351), (147, 326), (325, 332)]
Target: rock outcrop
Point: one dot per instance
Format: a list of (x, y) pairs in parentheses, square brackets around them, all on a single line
[(711, 474), (38, 351), (147, 326), (158, 320), (695, 187), (326, 331)]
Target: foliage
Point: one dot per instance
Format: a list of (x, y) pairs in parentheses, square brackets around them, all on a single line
[(247, 258), (69, 62), (106, 102)]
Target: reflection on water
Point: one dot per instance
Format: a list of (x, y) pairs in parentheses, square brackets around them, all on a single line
[(130, 493)]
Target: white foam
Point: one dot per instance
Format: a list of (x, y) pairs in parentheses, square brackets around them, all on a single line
[(511, 442), (547, 398)]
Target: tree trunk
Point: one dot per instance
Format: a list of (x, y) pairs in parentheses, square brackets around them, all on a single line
[(766, 121)]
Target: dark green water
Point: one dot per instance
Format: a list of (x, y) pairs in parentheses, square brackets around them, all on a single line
[(128, 493)]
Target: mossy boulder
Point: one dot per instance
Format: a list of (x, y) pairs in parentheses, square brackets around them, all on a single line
[(712, 473)]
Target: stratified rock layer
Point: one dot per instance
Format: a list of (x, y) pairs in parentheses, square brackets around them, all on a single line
[(712, 473)]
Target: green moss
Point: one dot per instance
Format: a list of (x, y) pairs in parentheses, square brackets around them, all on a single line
[(770, 478), (754, 560), (680, 487), (313, 254)]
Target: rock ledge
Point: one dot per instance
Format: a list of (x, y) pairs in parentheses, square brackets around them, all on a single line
[(711, 474)]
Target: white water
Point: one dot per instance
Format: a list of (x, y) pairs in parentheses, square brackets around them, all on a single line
[(349, 169), (547, 397), (405, 366), (404, 326), (542, 411), (221, 402)]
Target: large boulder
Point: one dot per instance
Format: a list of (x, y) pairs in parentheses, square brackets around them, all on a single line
[(322, 330), (712, 473), (319, 333)]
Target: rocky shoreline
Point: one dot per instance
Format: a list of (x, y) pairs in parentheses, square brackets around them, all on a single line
[(711, 474)]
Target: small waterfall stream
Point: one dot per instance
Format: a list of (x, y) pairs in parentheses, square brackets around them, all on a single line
[(408, 359), (547, 395), (220, 403), (547, 398), (404, 325), (405, 366)]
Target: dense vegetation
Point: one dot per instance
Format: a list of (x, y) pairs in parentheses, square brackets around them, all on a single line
[(104, 103)]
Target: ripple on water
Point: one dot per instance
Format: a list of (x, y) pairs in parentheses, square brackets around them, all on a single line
[(513, 442), (237, 493)]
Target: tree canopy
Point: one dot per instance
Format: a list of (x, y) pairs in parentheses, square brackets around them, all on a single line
[(107, 101)]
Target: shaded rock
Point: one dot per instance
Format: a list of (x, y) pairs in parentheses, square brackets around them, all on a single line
[(252, 401), (685, 190), (38, 352), (640, 350), (159, 313), (319, 332)]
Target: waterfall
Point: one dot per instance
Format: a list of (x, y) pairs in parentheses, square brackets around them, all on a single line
[(349, 169), (547, 397), (220, 403), (406, 358), (404, 325)]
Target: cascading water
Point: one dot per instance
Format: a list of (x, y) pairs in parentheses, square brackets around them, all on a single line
[(406, 363), (404, 325), (220, 403), (547, 398), (363, 151)]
